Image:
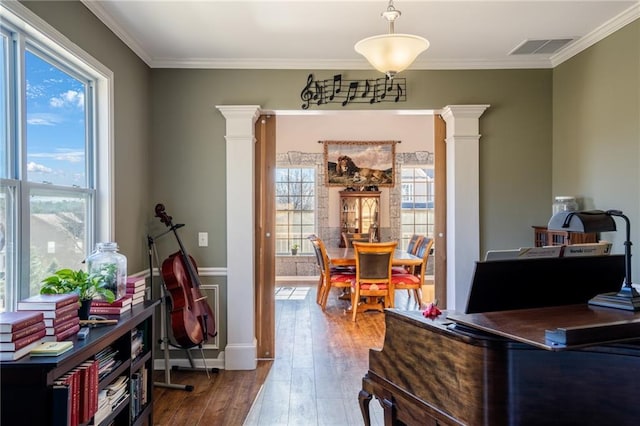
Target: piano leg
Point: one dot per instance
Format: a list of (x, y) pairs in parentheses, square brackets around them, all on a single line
[(387, 407), (364, 398)]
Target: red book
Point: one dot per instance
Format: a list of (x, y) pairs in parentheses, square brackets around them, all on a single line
[(136, 282), (14, 321), (21, 343), (23, 332), (85, 371), (73, 307), (118, 303), (53, 322), (57, 330), (64, 335), (47, 302), (138, 299), (108, 310), (131, 291), (72, 379)]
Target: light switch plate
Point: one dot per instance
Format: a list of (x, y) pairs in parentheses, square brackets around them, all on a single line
[(203, 239)]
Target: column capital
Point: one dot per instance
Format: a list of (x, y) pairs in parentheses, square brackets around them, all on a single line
[(463, 111)]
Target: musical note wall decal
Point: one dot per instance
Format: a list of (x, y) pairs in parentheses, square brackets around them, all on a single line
[(322, 92)]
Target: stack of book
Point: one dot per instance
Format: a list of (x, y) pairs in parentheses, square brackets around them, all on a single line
[(118, 391), (60, 313), (75, 394), (20, 332), (136, 287), (112, 310), (107, 361)]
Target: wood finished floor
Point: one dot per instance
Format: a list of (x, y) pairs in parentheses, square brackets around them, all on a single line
[(314, 379)]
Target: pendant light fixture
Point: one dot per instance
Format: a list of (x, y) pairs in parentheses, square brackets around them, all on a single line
[(391, 53)]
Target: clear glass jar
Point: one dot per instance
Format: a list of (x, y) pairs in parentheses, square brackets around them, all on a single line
[(112, 265), (564, 204)]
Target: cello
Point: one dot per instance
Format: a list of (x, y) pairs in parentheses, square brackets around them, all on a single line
[(192, 320)]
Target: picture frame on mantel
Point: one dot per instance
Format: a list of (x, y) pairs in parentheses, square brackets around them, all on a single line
[(360, 163)]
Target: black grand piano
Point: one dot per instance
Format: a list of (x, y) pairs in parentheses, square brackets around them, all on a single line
[(529, 350)]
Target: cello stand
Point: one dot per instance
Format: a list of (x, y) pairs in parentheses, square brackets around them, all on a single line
[(164, 340)]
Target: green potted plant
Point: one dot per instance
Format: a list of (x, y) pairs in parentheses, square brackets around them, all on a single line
[(294, 249), (86, 285)]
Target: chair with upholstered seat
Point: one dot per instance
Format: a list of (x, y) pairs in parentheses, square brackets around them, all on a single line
[(414, 281), (329, 277), (373, 276)]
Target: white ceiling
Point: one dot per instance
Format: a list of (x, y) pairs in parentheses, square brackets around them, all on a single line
[(320, 34)]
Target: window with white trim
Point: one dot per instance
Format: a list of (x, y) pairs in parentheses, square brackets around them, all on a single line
[(417, 207), (295, 208), (54, 162)]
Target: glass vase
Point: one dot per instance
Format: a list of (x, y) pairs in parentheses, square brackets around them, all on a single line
[(111, 265)]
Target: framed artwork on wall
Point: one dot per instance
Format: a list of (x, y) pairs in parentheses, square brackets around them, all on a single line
[(360, 164)]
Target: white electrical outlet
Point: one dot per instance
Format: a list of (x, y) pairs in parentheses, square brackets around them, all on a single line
[(203, 239)]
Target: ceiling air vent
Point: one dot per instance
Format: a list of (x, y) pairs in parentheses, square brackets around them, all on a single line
[(532, 47)]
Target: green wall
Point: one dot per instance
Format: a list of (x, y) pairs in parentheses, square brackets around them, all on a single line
[(596, 130), (189, 149)]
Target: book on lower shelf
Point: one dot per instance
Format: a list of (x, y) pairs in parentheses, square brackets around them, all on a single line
[(52, 348), (62, 405), (47, 302)]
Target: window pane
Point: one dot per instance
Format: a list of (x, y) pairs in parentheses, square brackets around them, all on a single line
[(58, 234), (295, 208), (417, 212), (56, 124), (7, 242), (4, 100)]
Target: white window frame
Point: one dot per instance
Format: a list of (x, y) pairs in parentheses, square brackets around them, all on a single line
[(30, 28)]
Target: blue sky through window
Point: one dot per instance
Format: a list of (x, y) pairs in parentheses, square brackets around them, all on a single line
[(56, 122)]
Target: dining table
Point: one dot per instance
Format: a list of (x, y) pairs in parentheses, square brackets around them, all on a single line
[(339, 256)]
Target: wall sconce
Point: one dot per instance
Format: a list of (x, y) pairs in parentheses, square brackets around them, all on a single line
[(602, 221)]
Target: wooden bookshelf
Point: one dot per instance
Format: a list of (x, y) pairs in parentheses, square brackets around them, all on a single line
[(29, 381)]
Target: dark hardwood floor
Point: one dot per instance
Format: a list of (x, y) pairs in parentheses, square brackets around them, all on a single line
[(313, 380)]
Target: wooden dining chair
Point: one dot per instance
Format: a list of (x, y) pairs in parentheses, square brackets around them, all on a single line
[(412, 248), (414, 281), (312, 238), (329, 277), (373, 276), (349, 237)]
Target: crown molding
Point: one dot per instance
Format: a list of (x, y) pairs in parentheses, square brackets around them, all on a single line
[(598, 34), (531, 62), (107, 20)]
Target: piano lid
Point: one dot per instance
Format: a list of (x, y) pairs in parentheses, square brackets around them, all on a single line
[(536, 283)]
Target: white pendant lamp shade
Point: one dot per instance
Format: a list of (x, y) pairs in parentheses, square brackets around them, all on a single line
[(391, 53)]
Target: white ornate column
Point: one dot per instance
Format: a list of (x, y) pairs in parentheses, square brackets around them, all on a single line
[(463, 199), (241, 350)]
